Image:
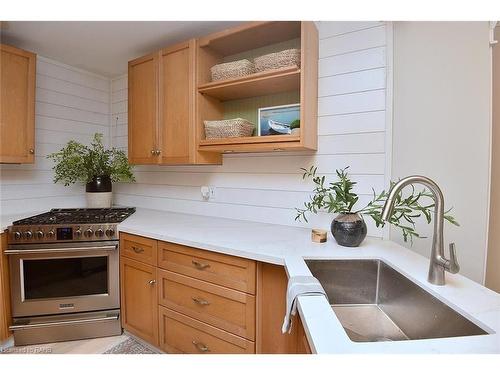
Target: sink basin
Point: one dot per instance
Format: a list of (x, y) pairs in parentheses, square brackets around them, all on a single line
[(374, 302)]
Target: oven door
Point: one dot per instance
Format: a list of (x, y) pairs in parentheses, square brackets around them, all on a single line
[(57, 278)]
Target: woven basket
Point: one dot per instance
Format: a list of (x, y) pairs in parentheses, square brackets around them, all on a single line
[(237, 127), (232, 70), (277, 60)]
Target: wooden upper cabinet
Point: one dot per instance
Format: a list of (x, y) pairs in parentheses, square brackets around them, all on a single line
[(143, 109), (162, 108), (17, 105), (176, 102)]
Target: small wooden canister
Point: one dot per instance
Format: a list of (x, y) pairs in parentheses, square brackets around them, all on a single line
[(318, 235)]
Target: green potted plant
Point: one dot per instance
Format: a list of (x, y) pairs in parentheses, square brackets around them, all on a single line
[(348, 227), (94, 166)]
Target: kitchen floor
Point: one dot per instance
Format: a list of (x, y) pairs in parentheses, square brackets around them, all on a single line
[(89, 346)]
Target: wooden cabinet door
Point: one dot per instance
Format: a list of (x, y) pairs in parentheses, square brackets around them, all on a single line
[(303, 346), (272, 284), (143, 110), (139, 301), (176, 103), (5, 315), (17, 102)]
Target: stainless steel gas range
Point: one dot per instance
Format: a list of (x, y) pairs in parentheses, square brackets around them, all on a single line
[(64, 273)]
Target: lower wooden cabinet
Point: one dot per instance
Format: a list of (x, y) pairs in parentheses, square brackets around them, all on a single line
[(227, 309), (272, 282), (139, 300), (182, 334), (303, 346), (139, 248), (198, 301), (5, 316)]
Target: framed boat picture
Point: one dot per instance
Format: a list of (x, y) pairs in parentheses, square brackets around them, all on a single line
[(278, 120)]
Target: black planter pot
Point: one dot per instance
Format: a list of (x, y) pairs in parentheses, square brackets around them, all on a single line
[(100, 184), (349, 229)]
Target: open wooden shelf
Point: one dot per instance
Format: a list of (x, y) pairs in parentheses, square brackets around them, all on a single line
[(252, 144), (257, 84), (251, 35), (256, 139)]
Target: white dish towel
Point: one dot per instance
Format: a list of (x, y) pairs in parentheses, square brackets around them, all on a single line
[(299, 286)]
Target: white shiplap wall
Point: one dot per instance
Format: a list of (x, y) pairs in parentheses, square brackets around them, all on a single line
[(70, 104), (267, 187)]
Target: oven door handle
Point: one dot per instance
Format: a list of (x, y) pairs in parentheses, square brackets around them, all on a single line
[(62, 250), (62, 323)]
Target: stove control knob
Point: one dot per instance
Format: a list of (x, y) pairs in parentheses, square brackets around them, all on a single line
[(78, 233), (110, 232), (28, 235), (99, 233), (50, 234), (89, 232), (39, 234), (17, 235)]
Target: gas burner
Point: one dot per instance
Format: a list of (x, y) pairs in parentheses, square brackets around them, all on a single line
[(79, 216)]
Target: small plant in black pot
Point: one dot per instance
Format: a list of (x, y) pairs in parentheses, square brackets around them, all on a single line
[(348, 227), (94, 166)]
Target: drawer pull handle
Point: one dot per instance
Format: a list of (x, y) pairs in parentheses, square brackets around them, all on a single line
[(137, 250), (152, 282), (200, 346), (200, 301), (199, 265)]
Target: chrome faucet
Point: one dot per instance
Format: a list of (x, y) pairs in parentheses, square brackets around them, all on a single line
[(438, 263)]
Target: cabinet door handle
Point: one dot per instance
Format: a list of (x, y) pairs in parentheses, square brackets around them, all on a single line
[(153, 152), (137, 250), (32, 151), (158, 152), (199, 265), (152, 282), (200, 346), (200, 301)]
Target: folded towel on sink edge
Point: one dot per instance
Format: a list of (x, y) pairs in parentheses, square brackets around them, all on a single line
[(299, 286)]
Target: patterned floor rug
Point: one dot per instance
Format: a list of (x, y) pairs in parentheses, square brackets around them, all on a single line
[(130, 346)]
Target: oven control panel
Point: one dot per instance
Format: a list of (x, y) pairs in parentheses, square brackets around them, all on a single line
[(61, 233)]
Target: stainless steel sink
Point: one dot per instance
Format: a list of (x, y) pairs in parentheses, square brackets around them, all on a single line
[(374, 302)]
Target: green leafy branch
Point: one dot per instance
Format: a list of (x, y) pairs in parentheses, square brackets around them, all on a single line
[(338, 197), (79, 163)]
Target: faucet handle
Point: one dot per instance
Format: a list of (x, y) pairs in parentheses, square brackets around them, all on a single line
[(452, 265)]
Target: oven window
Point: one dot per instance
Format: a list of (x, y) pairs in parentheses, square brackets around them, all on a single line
[(67, 277)]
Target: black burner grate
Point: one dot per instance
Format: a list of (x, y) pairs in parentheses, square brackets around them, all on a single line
[(79, 215)]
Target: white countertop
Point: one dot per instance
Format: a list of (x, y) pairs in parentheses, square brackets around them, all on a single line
[(289, 246)]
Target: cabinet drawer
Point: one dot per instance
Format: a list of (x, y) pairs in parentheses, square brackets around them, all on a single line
[(232, 272), (182, 334), (139, 248), (224, 308)]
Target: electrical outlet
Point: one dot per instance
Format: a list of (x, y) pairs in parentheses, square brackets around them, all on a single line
[(205, 193), (208, 193), (211, 193)]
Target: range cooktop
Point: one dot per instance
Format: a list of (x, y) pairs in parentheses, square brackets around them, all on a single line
[(69, 225), (79, 216)]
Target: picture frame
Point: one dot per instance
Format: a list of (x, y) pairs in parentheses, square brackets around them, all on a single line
[(276, 120)]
